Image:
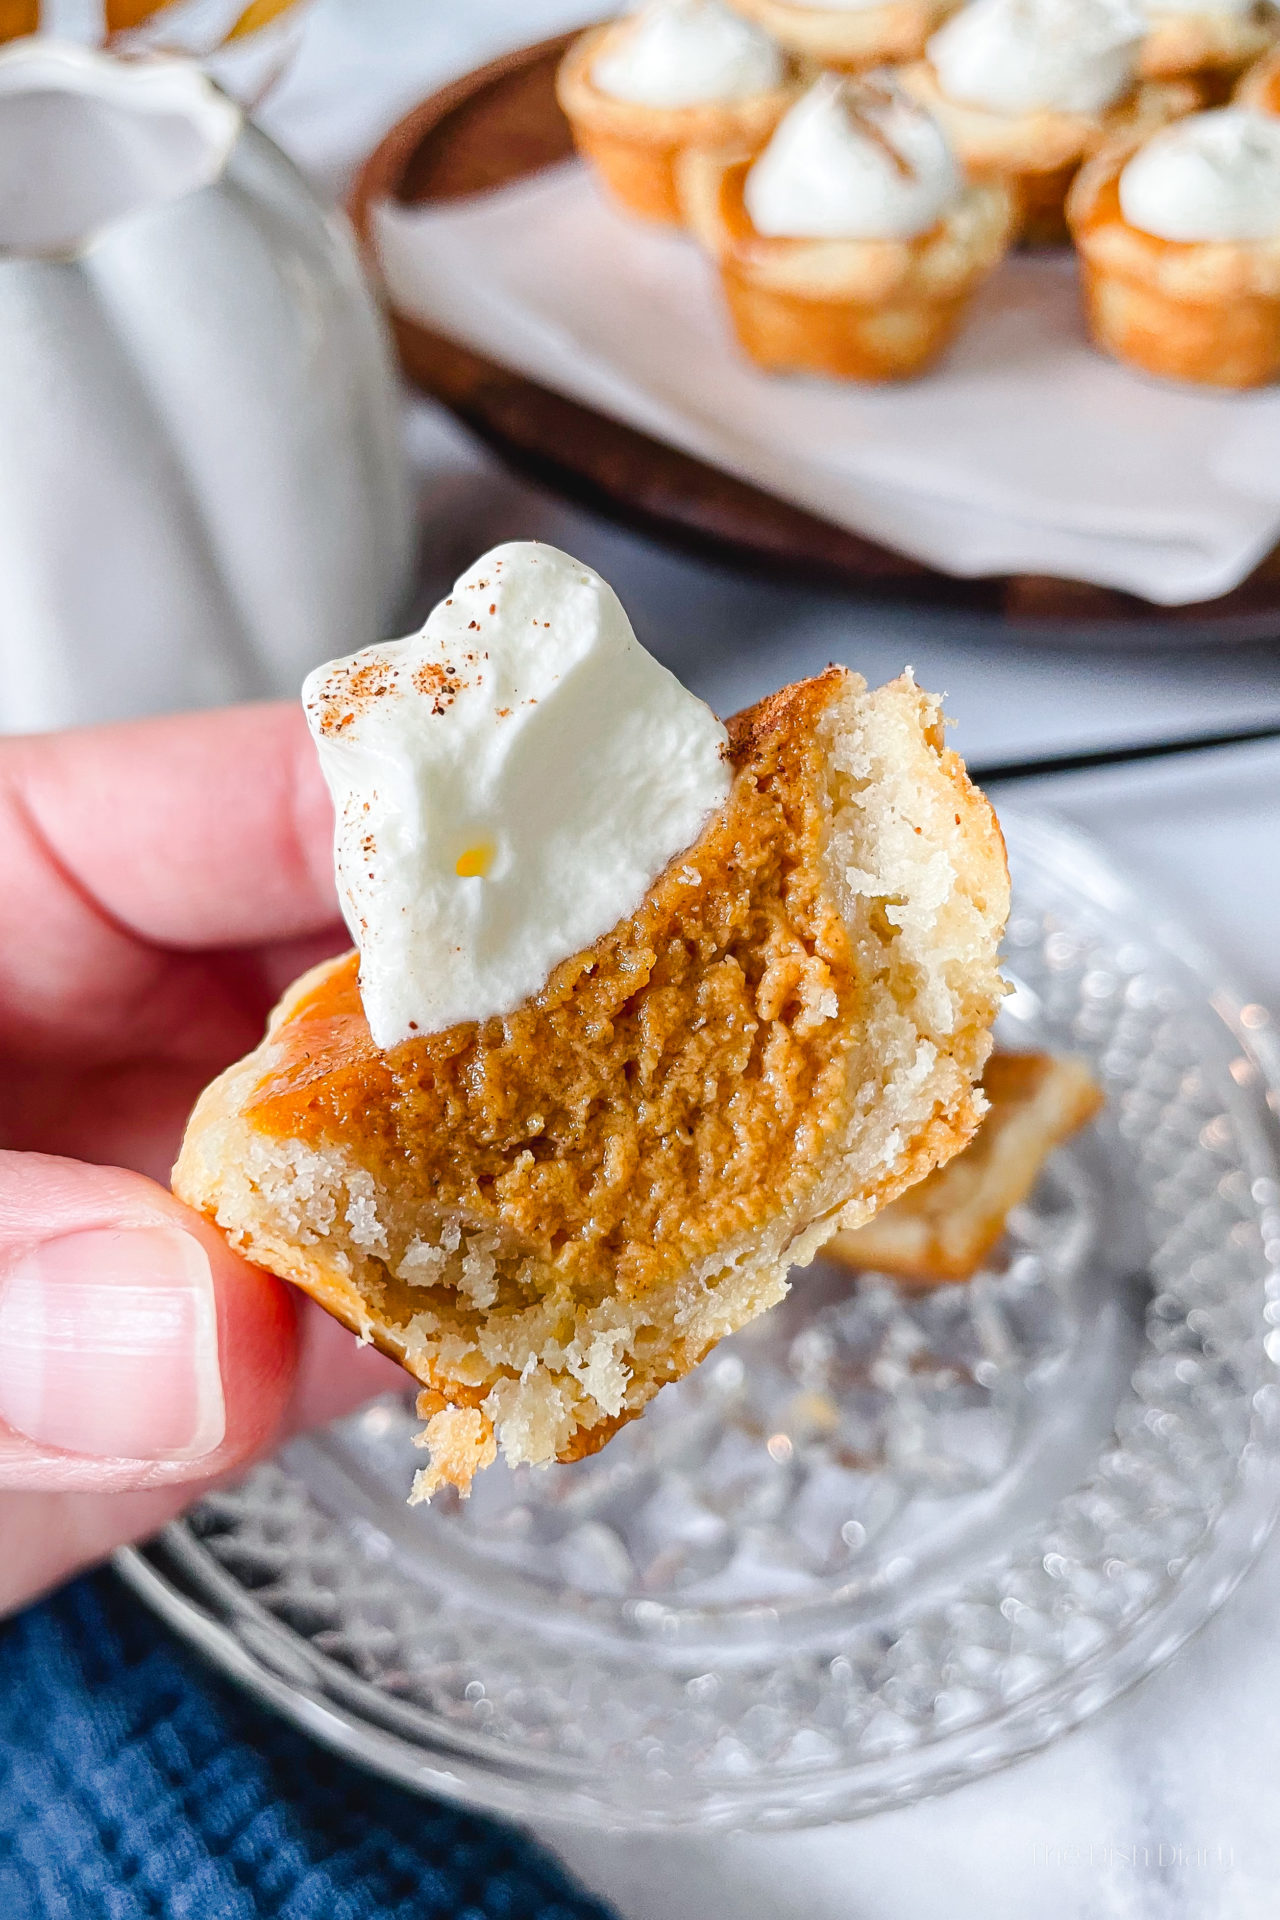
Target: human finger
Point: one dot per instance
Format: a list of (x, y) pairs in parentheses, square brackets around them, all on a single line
[(192, 831), (136, 1350), (49, 1536)]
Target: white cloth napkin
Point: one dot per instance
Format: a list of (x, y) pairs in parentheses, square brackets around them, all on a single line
[(1026, 452)]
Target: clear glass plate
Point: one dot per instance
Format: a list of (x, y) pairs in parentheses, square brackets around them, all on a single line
[(875, 1545)]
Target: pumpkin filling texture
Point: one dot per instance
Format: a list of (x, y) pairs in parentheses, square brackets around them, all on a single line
[(667, 1086)]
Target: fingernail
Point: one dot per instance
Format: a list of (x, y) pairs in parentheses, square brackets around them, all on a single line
[(109, 1345)]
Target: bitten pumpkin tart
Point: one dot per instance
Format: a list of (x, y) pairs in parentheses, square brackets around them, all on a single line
[(548, 1212)]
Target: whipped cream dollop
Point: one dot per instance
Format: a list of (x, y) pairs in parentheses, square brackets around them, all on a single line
[(680, 53), (1213, 176), (854, 159), (508, 784), (1028, 56)]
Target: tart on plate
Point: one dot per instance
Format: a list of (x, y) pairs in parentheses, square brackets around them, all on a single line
[(1038, 155), (1212, 43), (878, 290), (679, 76), (1179, 245), (1026, 90)]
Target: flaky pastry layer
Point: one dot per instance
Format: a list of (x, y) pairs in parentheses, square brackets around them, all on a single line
[(943, 1228)]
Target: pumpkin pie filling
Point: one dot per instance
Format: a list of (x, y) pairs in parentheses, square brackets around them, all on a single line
[(671, 1086)]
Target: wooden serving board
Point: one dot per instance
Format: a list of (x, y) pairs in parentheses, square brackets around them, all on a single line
[(501, 123)]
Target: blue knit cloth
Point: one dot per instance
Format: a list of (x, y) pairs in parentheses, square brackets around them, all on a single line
[(135, 1786)]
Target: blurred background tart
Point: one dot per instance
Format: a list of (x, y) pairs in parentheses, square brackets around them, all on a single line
[(1179, 242), (851, 246), (849, 35), (1260, 86), (1213, 42), (675, 75), (1027, 89)]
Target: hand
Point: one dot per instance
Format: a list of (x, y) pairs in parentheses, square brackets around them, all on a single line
[(160, 883)]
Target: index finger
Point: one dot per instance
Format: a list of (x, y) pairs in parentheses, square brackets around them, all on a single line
[(199, 830)]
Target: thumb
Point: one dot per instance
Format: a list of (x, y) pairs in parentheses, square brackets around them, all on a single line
[(136, 1350)]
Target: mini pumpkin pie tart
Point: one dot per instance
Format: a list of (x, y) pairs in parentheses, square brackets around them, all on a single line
[(851, 246), (643, 1008), (1179, 244), (849, 36), (678, 75), (1026, 90), (1260, 86), (942, 1229), (1211, 42)]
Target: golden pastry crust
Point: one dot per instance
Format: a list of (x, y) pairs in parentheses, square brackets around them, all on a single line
[(636, 148), (1200, 311), (943, 1229), (851, 309), (850, 42), (459, 1441), (546, 1216), (1260, 86), (1208, 42), (1039, 154)]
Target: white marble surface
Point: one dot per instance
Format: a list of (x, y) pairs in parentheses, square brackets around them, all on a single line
[(1168, 1804)]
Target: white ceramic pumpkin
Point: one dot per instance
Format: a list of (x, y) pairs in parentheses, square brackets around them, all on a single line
[(245, 45), (202, 491)]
